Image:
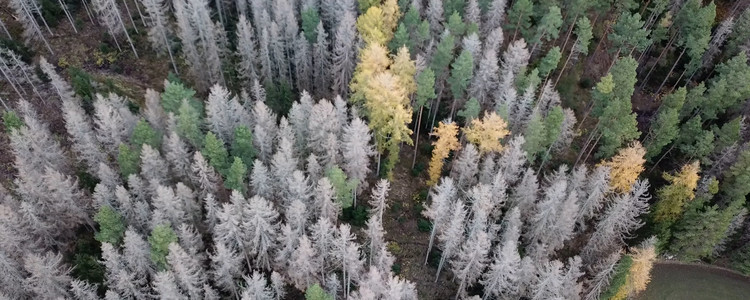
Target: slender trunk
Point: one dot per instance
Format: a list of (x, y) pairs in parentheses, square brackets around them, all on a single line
[(127, 10), (460, 287), (28, 79), (220, 10), (440, 266), (67, 14), (669, 44), (416, 138), (645, 6), (588, 141), (515, 32), (544, 158), (437, 106), (429, 245), (592, 148), (4, 105), (599, 44), (27, 10), (678, 81), (166, 43), (140, 14), (663, 82), (378, 169), (614, 60), (11, 84), (88, 11), (533, 48), (5, 30), (662, 157), (38, 11), (453, 108), (559, 75), (586, 115), (570, 31), (126, 32)]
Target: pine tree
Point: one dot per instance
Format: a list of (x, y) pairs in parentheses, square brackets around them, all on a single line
[(200, 40), (203, 176), (519, 17), (502, 276), (494, 15), (153, 166), (548, 27), (629, 33), (487, 133), (461, 74), (617, 124), (224, 113), (83, 290), (114, 122), (485, 81), (165, 286), (84, 142), (264, 130), (111, 226), (356, 151), (217, 154), (160, 238), (304, 264), (447, 141), (321, 63), (236, 175)]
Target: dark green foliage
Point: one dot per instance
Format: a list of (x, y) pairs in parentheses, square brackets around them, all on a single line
[(443, 55), (236, 176), (86, 181), (364, 5), (526, 79), (548, 28), (344, 187), (129, 160), (111, 226), (701, 228), (143, 133), (549, 62), (535, 137), (456, 25), (189, 124), (552, 124), (519, 16), (411, 19), (173, 78), (279, 97), (694, 23), (401, 38), (451, 7), (735, 186), (160, 238), (82, 83), (461, 73), (216, 153), (11, 121), (310, 19), (728, 134), (418, 169), (425, 88), (628, 33), (617, 123), (242, 145), (620, 275), (665, 128), (693, 141), (86, 261), (470, 111), (356, 216), (27, 54), (174, 93), (396, 268), (51, 12), (315, 292), (738, 38), (729, 89), (422, 33), (424, 225)]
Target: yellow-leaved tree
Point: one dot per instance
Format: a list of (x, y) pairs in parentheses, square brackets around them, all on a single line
[(405, 69), (672, 197), (373, 60), (447, 140), (487, 133), (626, 166), (391, 15), (371, 27), (388, 109), (639, 274)]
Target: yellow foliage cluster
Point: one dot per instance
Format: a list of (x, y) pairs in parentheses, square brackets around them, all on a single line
[(487, 133), (405, 69), (388, 111), (673, 197), (639, 274), (447, 141), (626, 166)]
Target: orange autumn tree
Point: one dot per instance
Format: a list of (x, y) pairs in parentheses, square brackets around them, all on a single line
[(447, 141), (639, 274), (487, 133), (626, 166)]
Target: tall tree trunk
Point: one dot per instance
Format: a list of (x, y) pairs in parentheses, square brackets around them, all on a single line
[(28, 79), (38, 11), (570, 32), (169, 48), (572, 49), (662, 157), (670, 71), (10, 81), (678, 81), (666, 48), (515, 32), (88, 12), (5, 29), (127, 35), (614, 60), (429, 245), (416, 137), (599, 44), (140, 14), (127, 10), (533, 48), (67, 14), (593, 146), (27, 10)]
